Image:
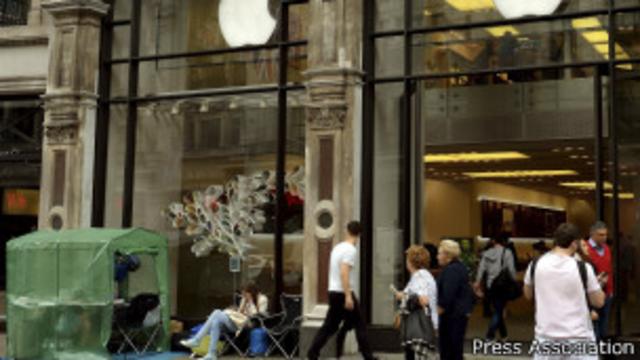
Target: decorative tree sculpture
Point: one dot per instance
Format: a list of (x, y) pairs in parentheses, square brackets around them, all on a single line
[(223, 217)]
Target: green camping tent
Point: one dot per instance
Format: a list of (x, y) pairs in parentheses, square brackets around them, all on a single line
[(61, 289)]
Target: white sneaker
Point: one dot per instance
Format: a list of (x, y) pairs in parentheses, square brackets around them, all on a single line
[(208, 357), (190, 343)]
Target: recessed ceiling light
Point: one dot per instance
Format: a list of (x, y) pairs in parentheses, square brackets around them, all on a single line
[(520, 173), (471, 5), (474, 156), (623, 196), (586, 185)]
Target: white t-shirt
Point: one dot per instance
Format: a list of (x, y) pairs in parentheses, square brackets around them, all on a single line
[(343, 253), (561, 305)]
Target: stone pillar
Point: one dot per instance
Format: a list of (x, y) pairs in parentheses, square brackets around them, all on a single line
[(333, 146), (70, 112)]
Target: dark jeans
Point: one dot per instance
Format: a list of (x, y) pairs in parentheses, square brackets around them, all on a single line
[(497, 320), (601, 325), (336, 315), (452, 330)]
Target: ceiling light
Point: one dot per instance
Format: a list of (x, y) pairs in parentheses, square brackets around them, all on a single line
[(471, 5), (498, 31), (586, 23), (586, 185), (623, 196), (474, 156), (520, 173), (598, 36)]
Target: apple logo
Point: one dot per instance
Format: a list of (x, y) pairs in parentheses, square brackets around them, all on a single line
[(245, 22), (511, 9)]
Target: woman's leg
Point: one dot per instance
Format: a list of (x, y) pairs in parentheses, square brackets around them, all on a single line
[(204, 330), (220, 322), (409, 354)]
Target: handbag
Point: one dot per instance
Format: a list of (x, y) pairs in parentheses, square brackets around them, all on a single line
[(504, 285), (417, 329)]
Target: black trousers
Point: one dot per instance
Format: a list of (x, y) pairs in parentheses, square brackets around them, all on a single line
[(452, 330), (337, 315)]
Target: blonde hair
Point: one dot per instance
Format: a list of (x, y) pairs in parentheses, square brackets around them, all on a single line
[(450, 247)]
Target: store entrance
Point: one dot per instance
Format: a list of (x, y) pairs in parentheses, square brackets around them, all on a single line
[(514, 155)]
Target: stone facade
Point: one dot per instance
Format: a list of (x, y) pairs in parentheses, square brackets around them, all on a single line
[(70, 108)]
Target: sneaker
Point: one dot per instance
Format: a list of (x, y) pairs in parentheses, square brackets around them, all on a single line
[(190, 343), (208, 357)]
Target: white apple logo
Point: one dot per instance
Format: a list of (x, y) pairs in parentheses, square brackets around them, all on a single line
[(245, 22), (511, 9)]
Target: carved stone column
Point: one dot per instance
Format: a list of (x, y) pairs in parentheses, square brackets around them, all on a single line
[(333, 147), (70, 107)]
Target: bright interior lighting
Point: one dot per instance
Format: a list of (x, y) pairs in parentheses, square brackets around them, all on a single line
[(586, 23), (471, 5), (498, 31), (520, 174), (594, 37), (623, 196), (474, 156), (586, 185)]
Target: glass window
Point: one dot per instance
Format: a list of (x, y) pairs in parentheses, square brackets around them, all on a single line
[(514, 158), (541, 43), (627, 105), (388, 264)]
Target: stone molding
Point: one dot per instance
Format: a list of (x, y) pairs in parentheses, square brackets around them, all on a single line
[(63, 7), (23, 85), (327, 91), (63, 123)]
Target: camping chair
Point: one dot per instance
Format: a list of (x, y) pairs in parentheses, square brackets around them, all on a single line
[(291, 319), (139, 323)]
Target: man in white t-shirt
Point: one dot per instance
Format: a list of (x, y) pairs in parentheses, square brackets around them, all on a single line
[(343, 305), (563, 319)]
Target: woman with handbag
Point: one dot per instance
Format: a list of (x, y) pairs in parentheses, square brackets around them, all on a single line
[(230, 320), (494, 261), (419, 300)]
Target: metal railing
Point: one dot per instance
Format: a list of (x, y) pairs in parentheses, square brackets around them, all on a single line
[(14, 12)]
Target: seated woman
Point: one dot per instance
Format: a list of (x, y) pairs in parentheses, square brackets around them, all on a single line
[(229, 320)]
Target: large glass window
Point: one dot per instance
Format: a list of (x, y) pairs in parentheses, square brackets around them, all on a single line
[(515, 119), (208, 108)]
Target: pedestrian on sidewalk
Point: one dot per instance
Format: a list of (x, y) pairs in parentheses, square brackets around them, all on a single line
[(562, 289), (600, 256), (420, 297), (343, 305), (493, 261), (455, 301)]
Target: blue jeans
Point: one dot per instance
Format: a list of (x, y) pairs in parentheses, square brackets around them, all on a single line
[(497, 320), (217, 322), (601, 325)]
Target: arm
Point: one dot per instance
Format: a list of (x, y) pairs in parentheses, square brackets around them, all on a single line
[(447, 291), (594, 292), (528, 289), (345, 269), (511, 264)]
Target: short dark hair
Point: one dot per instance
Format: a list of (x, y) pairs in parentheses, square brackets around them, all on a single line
[(598, 225), (354, 228), (502, 238), (565, 235)]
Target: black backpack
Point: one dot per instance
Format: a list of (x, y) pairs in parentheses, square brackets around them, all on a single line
[(504, 285)]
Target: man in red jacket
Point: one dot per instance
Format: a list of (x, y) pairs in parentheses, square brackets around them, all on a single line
[(600, 255)]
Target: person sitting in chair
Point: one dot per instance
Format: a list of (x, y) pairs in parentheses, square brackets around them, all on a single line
[(230, 320)]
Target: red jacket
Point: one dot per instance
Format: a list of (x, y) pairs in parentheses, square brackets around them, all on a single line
[(603, 263)]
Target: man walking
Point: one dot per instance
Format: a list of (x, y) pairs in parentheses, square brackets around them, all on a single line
[(493, 261), (562, 287), (343, 305), (600, 256)]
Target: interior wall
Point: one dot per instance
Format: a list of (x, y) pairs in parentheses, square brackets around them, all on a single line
[(452, 209)]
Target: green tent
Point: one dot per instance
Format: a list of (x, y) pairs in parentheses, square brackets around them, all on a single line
[(61, 290)]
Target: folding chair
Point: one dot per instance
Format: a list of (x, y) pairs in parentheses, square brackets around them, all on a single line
[(139, 323), (289, 325), (231, 338)]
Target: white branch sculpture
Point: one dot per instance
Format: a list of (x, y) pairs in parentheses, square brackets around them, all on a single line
[(223, 217)]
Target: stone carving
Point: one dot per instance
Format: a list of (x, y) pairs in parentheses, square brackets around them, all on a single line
[(326, 116), (61, 133)]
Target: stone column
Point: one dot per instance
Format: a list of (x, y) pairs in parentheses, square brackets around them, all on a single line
[(70, 111), (333, 146)]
